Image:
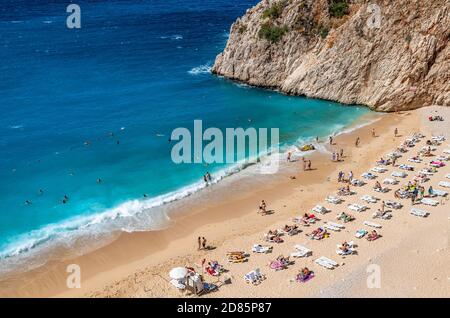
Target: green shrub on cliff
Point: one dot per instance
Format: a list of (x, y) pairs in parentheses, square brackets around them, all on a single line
[(338, 8), (274, 11), (271, 32)]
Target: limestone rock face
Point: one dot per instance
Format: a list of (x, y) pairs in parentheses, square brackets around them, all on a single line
[(396, 60)]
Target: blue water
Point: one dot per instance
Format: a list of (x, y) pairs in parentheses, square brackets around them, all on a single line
[(134, 71)]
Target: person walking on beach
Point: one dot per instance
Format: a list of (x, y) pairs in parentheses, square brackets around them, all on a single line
[(357, 142), (304, 163), (208, 176), (393, 161), (342, 153), (205, 178), (289, 157), (395, 132), (350, 176), (330, 140), (373, 132), (309, 165), (340, 176), (262, 207), (199, 241)]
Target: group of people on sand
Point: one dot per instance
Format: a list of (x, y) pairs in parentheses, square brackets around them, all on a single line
[(341, 177), (337, 156)]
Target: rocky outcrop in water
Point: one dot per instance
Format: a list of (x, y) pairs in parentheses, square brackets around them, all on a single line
[(393, 55)]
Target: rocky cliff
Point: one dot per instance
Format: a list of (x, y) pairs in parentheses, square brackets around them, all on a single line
[(393, 55)]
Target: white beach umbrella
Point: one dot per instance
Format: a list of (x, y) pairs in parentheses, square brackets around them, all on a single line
[(178, 273)]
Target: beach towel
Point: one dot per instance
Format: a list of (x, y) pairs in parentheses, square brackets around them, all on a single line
[(420, 213), (371, 224), (444, 184), (303, 279), (429, 201), (326, 262), (369, 199)]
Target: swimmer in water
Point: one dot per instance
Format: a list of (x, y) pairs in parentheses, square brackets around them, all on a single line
[(28, 202), (99, 180)]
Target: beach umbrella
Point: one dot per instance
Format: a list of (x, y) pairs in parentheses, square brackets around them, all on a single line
[(178, 273)]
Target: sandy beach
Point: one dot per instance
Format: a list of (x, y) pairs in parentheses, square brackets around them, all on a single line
[(412, 254)]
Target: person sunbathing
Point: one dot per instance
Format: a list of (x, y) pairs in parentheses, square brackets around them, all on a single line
[(378, 186), (344, 247), (372, 235), (304, 274)]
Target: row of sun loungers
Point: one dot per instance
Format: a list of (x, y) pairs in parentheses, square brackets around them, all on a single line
[(357, 207)]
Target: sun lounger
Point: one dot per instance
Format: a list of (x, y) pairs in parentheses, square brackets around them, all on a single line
[(447, 176), (399, 174), (382, 215), (326, 262), (371, 224), (390, 181), (369, 199), (331, 227), (393, 205), (379, 169), (447, 151), (440, 193), (444, 184), (320, 209), (429, 201), (443, 158), (345, 217), (426, 172), (381, 190), (302, 251), (257, 248), (437, 164), (415, 160), (334, 200), (357, 183), (357, 207), (255, 277), (418, 212), (406, 167), (360, 233), (368, 175), (350, 250)]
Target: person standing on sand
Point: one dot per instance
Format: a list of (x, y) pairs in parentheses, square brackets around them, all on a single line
[(289, 157), (203, 243), (304, 163), (350, 176), (342, 153), (357, 142), (373, 132), (309, 165), (395, 132), (199, 241), (330, 140), (393, 161)]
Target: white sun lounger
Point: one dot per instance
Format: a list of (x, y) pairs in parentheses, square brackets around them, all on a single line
[(418, 212), (399, 174), (443, 158), (257, 248), (369, 199), (331, 227), (334, 200), (357, 208), (357, 183), (371, 224), (360, 233), (390, 181), (414, 160), (320, 209), (302, 251), (336, 225), (426, 172), (382, 190), (447, 176), (429, 201), (368, 175), (440, 193), (406, 167), (326, 262), (393, 205), (447, 151), (379, 169), (351, 249), (444, 184)]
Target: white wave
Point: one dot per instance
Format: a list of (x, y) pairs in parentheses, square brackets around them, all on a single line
[(202, 69), (15, 127), (175, 37)]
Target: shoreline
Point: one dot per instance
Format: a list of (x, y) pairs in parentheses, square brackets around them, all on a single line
[(45, 248), (130, 266)]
